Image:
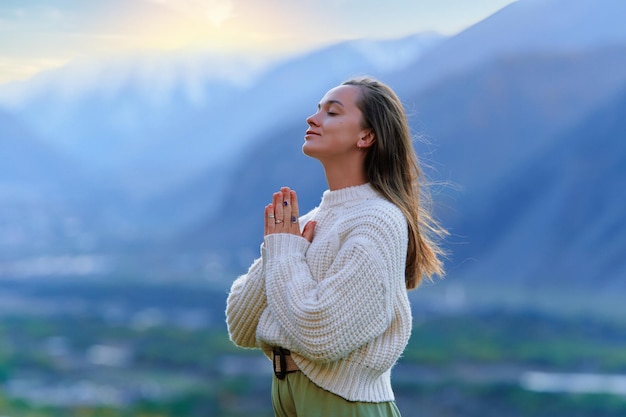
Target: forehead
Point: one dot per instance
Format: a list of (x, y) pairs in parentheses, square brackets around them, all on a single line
[(346, 95)]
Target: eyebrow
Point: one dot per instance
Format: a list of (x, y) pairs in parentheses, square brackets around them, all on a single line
[(331, 102)]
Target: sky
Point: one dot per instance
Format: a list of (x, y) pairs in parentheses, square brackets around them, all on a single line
[(37, 35)]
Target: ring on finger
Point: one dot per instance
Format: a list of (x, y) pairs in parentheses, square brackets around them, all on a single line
[(271, 216), (278, 221), (294, 219)]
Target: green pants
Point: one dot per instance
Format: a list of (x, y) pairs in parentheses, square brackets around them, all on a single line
[(297, 396)]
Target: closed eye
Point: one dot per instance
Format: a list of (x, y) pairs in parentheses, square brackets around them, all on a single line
[(330, 106)]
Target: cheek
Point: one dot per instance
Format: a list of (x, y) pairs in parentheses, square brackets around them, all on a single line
[(348, 132), (341, 128)]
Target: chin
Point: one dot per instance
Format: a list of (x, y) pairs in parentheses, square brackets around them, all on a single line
[(313, 150), (306, 149)]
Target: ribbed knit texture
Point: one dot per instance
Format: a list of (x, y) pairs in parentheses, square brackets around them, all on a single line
[(339, 303)]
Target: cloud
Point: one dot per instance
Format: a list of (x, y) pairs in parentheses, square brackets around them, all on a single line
[(16, 69), (215, 11)]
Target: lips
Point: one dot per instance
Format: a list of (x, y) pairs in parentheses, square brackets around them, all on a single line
[(310, 132)]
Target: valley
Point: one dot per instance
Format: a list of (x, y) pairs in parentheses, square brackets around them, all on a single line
[(108, 349)]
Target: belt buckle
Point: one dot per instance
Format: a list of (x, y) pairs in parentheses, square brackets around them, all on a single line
[(280, 353)]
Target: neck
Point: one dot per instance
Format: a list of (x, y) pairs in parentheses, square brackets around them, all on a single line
[(341, 175)]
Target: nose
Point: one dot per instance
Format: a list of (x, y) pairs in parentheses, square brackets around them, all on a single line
[(311, 121)]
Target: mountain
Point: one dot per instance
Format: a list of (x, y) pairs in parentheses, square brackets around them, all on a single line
[(28, 164), (111, 115), (36, 186), (152, 123), (525, 26), (512, 109), (497, 134), (519, 116), (557, 219), (217, 139), (155, 154), (50, 203), (485, 128)]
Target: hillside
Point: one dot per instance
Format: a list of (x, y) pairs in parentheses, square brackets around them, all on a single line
[(558, 219), (522, 27)]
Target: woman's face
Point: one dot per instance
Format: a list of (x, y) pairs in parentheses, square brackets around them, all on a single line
[(336, 127)]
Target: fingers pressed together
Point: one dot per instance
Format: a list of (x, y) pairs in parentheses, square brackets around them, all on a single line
[(281, 215)]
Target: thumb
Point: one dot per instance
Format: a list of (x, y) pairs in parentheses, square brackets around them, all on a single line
[(309, 230)]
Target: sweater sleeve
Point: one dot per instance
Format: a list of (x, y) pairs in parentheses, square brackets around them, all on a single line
[(327, 318), (245, 304)]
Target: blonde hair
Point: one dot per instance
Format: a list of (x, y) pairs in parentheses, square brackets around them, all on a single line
[(393, 170)]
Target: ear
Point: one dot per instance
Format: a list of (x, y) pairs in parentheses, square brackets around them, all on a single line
[(367, 138)]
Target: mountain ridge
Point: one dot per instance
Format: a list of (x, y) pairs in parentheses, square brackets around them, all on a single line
[(508, 131), (522, 27)]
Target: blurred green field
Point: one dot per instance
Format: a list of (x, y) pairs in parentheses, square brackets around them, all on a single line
[(469, 364)]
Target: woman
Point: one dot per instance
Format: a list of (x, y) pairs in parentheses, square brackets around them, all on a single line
[(328, 304)]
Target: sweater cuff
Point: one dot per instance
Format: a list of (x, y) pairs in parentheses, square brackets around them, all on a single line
[(279, 245)]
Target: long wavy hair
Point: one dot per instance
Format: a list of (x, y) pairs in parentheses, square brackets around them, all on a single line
[(392, 168)]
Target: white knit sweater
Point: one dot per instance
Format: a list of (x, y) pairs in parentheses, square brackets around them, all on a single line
[(339, 303)]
